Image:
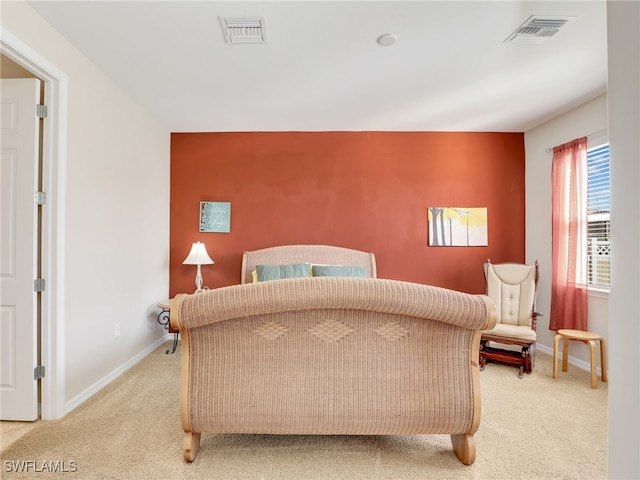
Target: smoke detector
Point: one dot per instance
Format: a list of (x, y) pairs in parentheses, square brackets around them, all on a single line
[(387, 39), (244, 30), (537, 29)]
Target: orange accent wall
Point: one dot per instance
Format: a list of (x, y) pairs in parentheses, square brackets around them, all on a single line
[(364, 190)]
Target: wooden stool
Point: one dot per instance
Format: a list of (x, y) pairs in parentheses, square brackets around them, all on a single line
[(588, 338)]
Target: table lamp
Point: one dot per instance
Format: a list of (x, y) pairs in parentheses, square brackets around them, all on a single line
[(198, 256)]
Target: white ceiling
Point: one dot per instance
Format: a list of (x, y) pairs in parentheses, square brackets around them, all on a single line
[(321, 68)]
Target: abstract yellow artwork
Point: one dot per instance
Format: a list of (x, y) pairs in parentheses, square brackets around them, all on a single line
[(457, 227)]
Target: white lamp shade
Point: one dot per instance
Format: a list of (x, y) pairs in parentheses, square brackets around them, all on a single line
[(198, 255)]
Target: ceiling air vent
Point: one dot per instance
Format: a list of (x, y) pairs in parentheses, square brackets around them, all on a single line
[(537, 29), (244, 30)]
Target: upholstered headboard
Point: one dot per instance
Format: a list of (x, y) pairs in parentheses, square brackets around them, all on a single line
[(318, 254)]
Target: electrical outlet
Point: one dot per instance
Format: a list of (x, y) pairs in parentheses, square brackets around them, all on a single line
[(117, 332)]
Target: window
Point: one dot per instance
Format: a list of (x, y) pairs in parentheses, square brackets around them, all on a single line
[(598, 217)]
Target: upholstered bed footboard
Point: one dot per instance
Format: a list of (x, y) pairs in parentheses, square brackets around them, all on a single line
[(331, 355)]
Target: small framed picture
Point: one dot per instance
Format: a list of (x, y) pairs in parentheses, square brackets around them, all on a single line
[(215, 217), (457, 227)]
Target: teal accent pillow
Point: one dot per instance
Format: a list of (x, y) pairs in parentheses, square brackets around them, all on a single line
[(277, 272), (338, 271)]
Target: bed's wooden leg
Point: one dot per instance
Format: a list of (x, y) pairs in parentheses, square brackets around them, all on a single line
[(190, 445), (464, 447)]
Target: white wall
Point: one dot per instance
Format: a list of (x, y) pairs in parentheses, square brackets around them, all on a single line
[(582, 121), (620, 111), (623, 27), (116, 214)]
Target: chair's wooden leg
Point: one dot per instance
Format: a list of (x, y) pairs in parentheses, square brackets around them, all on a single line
[(527, 359), (565, 354), (190, 445), (556, 342), (592, 357), (603, 360), (532, 353), (521, 372), (464, 446)]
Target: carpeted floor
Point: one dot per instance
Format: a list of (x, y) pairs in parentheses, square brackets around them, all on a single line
[(534, 428)]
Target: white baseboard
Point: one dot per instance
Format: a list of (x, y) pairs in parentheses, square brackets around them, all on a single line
[(586, 366), (110, 377)]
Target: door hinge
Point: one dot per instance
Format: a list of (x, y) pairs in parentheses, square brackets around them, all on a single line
[(38, 285), (41, 198), (38, 372), (41, 111)]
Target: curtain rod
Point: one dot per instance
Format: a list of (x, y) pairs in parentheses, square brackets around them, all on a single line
[(550, 149)]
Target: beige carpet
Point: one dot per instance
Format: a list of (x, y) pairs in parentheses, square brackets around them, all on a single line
[(534, 428)]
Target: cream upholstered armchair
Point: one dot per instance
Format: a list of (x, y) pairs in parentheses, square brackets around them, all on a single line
[(512, 287)]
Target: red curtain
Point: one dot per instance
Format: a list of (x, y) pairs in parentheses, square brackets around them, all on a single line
[(569, 236)]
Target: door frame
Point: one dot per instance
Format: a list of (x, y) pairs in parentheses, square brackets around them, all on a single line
[(54, 153)]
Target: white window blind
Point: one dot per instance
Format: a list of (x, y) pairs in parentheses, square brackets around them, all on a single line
[(599, 217)]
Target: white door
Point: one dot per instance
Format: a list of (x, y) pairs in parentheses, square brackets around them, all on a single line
[(18, 249)]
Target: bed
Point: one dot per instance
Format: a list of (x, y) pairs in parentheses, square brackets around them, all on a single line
[(350, 355)]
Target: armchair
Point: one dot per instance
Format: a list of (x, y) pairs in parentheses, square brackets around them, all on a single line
[(512, 287)]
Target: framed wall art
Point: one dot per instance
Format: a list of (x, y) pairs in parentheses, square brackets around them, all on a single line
[(215, 217), (457, 227)]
